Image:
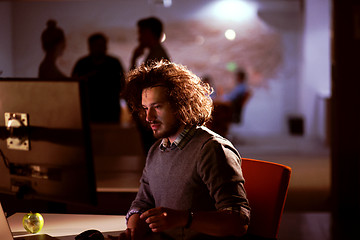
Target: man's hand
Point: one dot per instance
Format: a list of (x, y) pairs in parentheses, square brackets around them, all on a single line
[(138, 51), (161, 219), (126, 235), (136, 229)]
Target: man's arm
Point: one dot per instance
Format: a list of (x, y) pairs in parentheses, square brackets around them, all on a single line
[(220, 223), (215, 223), (136, 228)]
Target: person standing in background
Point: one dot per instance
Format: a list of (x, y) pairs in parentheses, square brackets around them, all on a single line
[(105, 76), (150, 33), (53, 43)]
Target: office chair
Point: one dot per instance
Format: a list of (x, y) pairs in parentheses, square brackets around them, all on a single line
[(266, 185), (238, 106), (226, 113)]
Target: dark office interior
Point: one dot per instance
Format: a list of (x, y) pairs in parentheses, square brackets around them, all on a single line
[(301, 56)]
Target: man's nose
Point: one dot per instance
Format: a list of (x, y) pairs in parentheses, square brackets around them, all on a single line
[(150, 115)]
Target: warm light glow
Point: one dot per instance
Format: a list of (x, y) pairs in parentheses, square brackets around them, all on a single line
[(233, 10), (163, 38), (230, 34)]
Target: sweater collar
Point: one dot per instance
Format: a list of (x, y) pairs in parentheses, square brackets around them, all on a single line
[(180, 142)]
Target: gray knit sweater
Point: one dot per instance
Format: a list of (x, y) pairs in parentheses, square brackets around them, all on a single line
[(203, 174)]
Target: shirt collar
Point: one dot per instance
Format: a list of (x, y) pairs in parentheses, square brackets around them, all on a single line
[(180, 142)]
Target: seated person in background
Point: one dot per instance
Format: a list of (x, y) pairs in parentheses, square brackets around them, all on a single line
[(228, 107), (53, 43), (105, 76), (237, 96), (192, 186)]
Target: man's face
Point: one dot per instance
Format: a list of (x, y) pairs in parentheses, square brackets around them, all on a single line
[(159, 113), (98, 47)]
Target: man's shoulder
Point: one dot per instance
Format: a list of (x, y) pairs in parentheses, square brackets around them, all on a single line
[(206, 132), (158, 52), (83, 60), (206, 136), (111, 58), (82, 65)]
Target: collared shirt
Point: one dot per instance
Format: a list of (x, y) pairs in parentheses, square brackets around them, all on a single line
[(181, 140)]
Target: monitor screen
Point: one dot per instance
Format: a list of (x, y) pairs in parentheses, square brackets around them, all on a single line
[(45, 141)]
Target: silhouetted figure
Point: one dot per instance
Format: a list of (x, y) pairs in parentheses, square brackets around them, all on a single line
[(53, 43), (105, 76), (150, 32)]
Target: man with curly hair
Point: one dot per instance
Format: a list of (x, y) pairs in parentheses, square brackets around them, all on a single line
[(192, 185)]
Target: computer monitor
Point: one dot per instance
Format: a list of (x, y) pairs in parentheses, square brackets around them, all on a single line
[(45, 141)]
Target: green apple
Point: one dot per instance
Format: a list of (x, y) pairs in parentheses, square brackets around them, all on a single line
[(33, 222)]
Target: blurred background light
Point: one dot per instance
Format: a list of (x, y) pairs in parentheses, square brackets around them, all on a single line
[(232, 10), (231, 66), (230, 34), (165, 3)]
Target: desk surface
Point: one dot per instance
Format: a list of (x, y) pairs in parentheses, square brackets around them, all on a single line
[(66, 225)]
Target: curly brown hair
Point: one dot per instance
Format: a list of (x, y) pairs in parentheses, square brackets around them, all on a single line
[(188, 95)]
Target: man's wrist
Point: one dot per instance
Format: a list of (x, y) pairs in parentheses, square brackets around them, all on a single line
[(132, 212)]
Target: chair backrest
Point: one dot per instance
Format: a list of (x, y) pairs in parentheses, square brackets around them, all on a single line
[(238, 105), (266, 185), (246, 97)]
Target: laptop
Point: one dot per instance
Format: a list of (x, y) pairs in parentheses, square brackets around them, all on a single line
[(5, 231)]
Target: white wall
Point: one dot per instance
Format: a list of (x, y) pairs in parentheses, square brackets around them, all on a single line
[(315, 79), (6, 56), (266, 114)]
